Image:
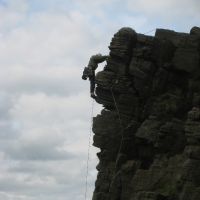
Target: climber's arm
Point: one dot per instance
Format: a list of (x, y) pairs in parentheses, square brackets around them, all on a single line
[(99, 58)]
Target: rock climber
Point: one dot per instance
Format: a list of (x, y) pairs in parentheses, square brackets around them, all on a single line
[(89, 71)]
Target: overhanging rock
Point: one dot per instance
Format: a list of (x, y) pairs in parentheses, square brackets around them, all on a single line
[(149, 129)]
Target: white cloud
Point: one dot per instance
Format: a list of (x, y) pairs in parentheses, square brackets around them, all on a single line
[(43, 40), (162, 7), (12, 13), (173, 14), (45, 118), (58, 80), (50, 150)]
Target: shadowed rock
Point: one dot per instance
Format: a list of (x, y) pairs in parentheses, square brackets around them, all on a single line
[(149, 130)]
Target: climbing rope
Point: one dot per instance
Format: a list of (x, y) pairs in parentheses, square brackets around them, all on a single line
[(120, 121), (114, 100), (149, 31), (117, 109), (88, 153)]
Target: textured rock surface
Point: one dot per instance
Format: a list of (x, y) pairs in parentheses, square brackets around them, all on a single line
[(149, 130)]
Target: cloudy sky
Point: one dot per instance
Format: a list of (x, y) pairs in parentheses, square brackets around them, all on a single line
[(45, 108)]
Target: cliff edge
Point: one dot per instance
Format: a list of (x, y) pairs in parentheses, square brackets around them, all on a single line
[(149, 130)]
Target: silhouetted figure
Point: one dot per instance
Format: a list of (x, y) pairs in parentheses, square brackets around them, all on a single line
[(89, 71)]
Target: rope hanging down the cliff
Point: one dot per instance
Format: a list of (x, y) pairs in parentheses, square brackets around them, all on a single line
[(117, 109), (88, 153), (114, 100), (120, 121)]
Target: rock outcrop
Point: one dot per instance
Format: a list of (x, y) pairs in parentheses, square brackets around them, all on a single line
[(149, 130)]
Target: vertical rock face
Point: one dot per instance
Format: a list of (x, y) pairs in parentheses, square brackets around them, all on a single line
[(149, 130)]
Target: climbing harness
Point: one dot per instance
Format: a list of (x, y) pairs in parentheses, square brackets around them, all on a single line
[(88, 153)]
